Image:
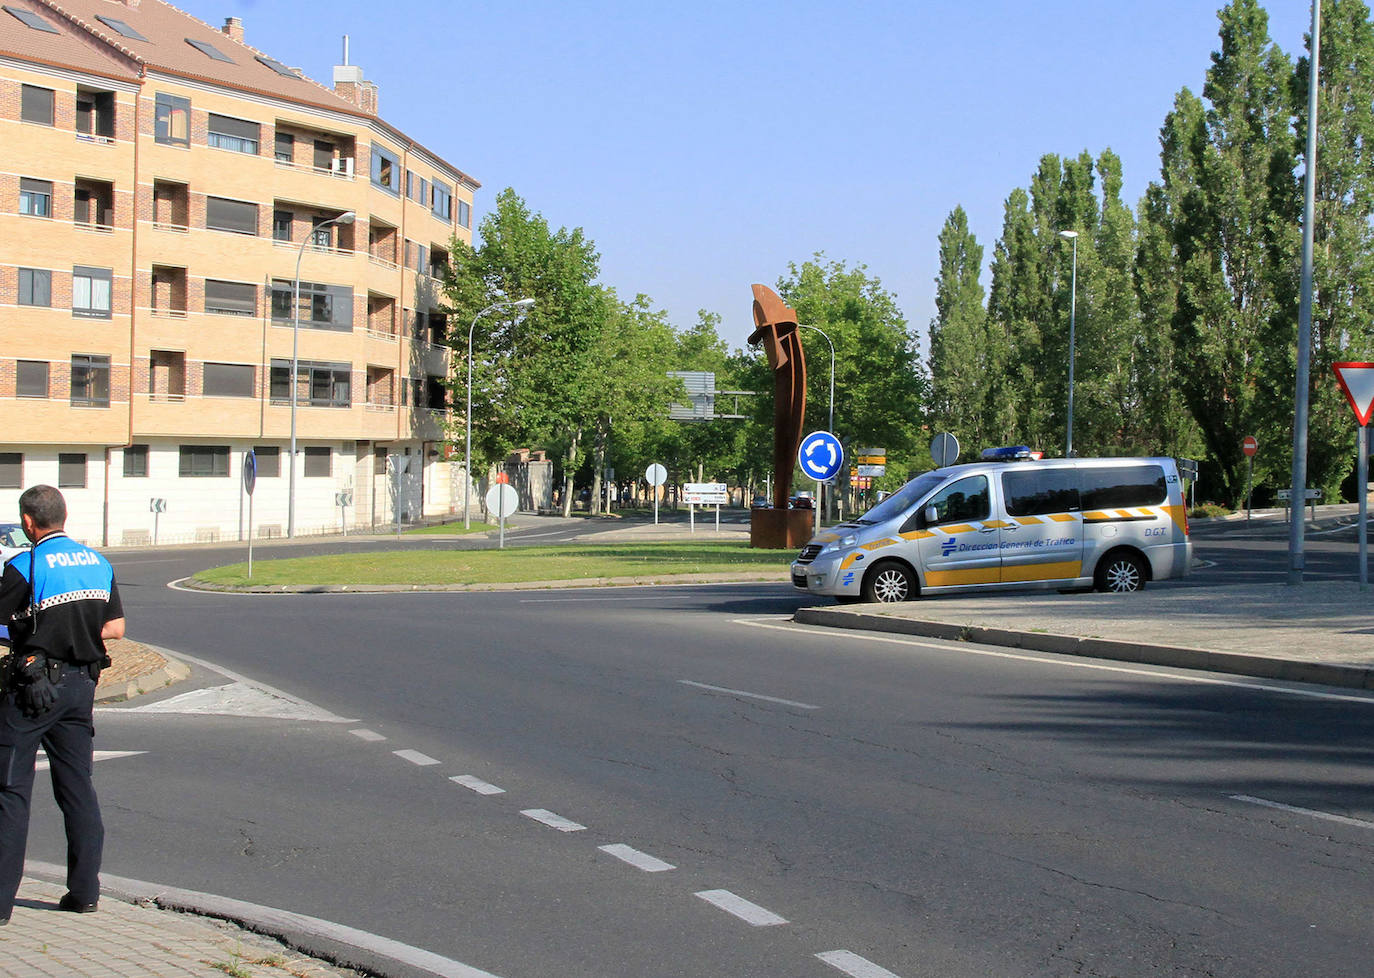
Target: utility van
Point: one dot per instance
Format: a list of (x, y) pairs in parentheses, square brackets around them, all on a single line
[(1009, 521)]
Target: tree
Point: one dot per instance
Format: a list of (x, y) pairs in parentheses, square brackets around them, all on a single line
[(1343, 246), (1227, 171), (961, 356)]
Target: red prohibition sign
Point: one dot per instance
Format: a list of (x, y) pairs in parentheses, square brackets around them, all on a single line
[(1249, 446)]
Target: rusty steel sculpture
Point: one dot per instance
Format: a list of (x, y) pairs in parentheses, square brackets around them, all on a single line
[(775, 326)]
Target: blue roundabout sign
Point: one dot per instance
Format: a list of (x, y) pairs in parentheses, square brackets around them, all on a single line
[(821, 456)]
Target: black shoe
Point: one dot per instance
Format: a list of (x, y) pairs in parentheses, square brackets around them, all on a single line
[(70, 904), (4, 921)]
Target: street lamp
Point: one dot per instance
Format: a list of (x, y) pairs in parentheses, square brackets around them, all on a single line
[(467, 413), (830, 424), (1073, 302), (347, 217)]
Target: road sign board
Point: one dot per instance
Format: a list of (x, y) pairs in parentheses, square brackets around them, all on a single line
[(157, 505), (820, 456), (1187, 467), (944, 449), (706, 493), (250, 471), (656, 474), (1286, 495), (1357, 380), (344, 498), (1250, 445), (871, 471), (502, 500)]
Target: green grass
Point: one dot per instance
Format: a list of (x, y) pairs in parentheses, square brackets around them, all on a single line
[(450, 529), (570, 562)]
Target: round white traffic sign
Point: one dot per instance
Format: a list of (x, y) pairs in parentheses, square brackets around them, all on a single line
[(944, 449), (502, 500), (656, 474), (820, 456)]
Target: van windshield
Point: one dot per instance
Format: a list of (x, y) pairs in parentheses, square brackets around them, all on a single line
[(904, 498)]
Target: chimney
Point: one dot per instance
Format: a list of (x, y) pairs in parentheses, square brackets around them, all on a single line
[(349, 84), (233, 26)]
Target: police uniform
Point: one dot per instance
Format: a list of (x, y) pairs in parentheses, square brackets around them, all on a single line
[(57, 598)]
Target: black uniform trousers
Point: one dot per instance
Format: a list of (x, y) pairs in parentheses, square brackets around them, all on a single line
[(67, 733)]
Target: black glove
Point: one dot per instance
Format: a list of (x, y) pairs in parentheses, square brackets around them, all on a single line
[(37, 694)]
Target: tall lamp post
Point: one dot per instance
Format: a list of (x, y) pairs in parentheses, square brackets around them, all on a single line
[(830, 423), (467, 413), (1073, 303), (347, 217)]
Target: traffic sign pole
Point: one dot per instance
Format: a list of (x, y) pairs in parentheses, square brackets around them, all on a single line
[(1362, 488)]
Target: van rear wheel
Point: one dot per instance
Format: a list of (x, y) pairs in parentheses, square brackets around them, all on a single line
[(889, 582), (1120, 572)]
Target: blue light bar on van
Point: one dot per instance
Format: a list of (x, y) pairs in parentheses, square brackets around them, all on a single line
[(1008, 453)]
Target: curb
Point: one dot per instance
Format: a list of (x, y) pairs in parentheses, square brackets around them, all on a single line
[(172, 671), (190, 584), (337, 944), (1234, 663)]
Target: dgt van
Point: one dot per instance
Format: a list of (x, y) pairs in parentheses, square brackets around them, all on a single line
[(1009, 522)]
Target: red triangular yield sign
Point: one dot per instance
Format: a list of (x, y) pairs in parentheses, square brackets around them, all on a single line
[(1357, 380)]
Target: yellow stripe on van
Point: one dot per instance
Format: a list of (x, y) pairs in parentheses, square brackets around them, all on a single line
[(917, 535), (1029, 520), (958, 528), (879, 544), (848, 562), (1063, 517), (1064, 570), (996, 524), (960, 578), (1179, 514)]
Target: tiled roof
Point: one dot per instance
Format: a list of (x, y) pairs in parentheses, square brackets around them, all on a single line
[(70, 47), (169, 31)]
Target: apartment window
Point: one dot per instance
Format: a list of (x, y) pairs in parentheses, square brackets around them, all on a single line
[(35, 287), (269, 461), (286, 148), (322, 234), (203, 462), (95, 113), (31, 378), (71, 470), (326, 384), (281, 225), (231, 298), (324, 155), (464, 214), (91, 292), (11, 470), (317, 462), (443, 202), (36, 104), (228, 380), (238, 216), (320, 307), (136, 462), (237, 135), (35, 197), (90, 380), (172, 120), (386, 170)]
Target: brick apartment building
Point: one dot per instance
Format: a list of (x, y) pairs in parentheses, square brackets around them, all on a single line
[(159, 181)]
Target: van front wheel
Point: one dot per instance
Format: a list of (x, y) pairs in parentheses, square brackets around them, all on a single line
[(1120, 572), (889, 582)]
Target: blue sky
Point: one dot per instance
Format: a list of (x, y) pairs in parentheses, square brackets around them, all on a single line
[(705, 146)]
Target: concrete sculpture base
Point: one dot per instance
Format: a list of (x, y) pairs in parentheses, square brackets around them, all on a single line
[(780, 529)]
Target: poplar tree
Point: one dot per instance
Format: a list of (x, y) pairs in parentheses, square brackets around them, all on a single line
[(962, 360)]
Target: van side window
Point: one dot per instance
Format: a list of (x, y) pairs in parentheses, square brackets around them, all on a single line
[(1037, 492), (962, 501), (1120, 486)]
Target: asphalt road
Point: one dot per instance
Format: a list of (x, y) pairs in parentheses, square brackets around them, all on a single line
[(905, 805)]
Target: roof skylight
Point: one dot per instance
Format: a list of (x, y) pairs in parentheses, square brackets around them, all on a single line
[(119, 27), (277, 66), (210, 51), (31, 19)]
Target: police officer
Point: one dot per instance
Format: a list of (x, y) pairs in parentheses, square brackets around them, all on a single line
[(61, 603)]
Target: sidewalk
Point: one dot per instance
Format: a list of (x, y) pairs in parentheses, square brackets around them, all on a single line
[(124, 940), (1316, 633)]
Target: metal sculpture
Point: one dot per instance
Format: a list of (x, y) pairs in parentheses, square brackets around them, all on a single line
[(775, 325)]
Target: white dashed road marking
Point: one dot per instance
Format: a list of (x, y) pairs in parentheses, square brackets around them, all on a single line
[(477, 785), (371, 736), (637, 859), (415, 757), (42, 763), (750, 913), (752, 696), (1311, 813), (553, 821), (853, 965)]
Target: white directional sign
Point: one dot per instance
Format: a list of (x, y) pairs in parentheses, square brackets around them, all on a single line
[(1357, 380), (706, 494), (820, 456)]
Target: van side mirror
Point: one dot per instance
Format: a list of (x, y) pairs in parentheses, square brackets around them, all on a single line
[(931, 516)]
